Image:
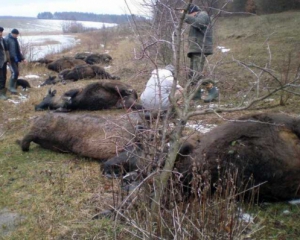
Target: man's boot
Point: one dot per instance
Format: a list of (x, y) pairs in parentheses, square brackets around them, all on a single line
[(213, 94), (3, 94), (12, 86)]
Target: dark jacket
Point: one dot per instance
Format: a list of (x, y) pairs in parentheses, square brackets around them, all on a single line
[(3, 52), (200, 34), (13, 48)]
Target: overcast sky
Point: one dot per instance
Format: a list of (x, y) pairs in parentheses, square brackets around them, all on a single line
[(30, 8)]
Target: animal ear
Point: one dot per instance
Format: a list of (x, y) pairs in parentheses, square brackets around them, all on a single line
[(49, 91), (53, 93)]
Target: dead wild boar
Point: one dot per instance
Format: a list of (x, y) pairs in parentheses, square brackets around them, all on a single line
[(97, 58), (85, 71), (263, 147), (64, 63), (82, 55), (260, 149), (104, 94), (51, 80), (97, 137)]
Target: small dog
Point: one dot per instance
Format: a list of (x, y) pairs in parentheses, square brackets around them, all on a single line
[(24, 84)]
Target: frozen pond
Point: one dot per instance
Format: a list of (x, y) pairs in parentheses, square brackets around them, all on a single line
[(33, 25), (40, 37), (39, 46)]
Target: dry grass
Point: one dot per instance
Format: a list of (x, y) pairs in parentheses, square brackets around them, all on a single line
[(57, 194)]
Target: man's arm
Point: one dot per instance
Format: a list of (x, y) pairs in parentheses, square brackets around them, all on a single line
[(201, 20)]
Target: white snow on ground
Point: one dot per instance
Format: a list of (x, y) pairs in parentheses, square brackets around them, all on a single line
[(295, 202), (31, 76), (246, 217), (223, 49), (201, 128), (18, 99)]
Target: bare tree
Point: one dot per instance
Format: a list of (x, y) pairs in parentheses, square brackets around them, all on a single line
[(163, 40)]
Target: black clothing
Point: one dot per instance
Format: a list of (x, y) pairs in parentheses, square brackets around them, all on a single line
[(14, 49)]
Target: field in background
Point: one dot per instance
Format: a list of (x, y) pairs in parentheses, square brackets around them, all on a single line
[(56, 195)]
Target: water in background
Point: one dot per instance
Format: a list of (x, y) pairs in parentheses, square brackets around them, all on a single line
[(39, 37), (33, 25), (39, 46)]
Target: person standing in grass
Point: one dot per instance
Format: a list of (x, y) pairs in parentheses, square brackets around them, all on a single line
[(15, 57), (200, 46), (4, 58)]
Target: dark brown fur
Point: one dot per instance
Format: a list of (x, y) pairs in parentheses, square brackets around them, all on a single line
[(64, 63), (89, 136), (104, 94), (97, 58), (85, 71), (264, 146), (94, 58)]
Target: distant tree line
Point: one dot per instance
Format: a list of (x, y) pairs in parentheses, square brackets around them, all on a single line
[(258, 6), (80, 16)]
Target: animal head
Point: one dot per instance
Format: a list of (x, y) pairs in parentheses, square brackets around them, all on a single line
[(49, 81), (63, 74), (47, 102)]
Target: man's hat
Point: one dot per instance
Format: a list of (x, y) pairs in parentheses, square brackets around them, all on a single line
[(193, 8), (15, 31)]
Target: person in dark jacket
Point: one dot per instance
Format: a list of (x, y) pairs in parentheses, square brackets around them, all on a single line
[(4, 58), (200, 46), (15, 57)]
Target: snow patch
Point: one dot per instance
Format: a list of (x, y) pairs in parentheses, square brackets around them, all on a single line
[(286, 212), (223, 49), (246, 217), (295, 202), (201, 128), (31, 76), (20, 98)]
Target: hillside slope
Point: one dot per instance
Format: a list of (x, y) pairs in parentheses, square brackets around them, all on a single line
[(57, 194)]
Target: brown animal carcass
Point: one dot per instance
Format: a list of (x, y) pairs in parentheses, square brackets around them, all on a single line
[(64, 63), (260, 149), (82, 55), (94, 58), (104, 94), (89, 136), (85, 71), (97, 58)]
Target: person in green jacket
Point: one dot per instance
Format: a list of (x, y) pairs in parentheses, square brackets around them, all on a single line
[(200, 46)]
